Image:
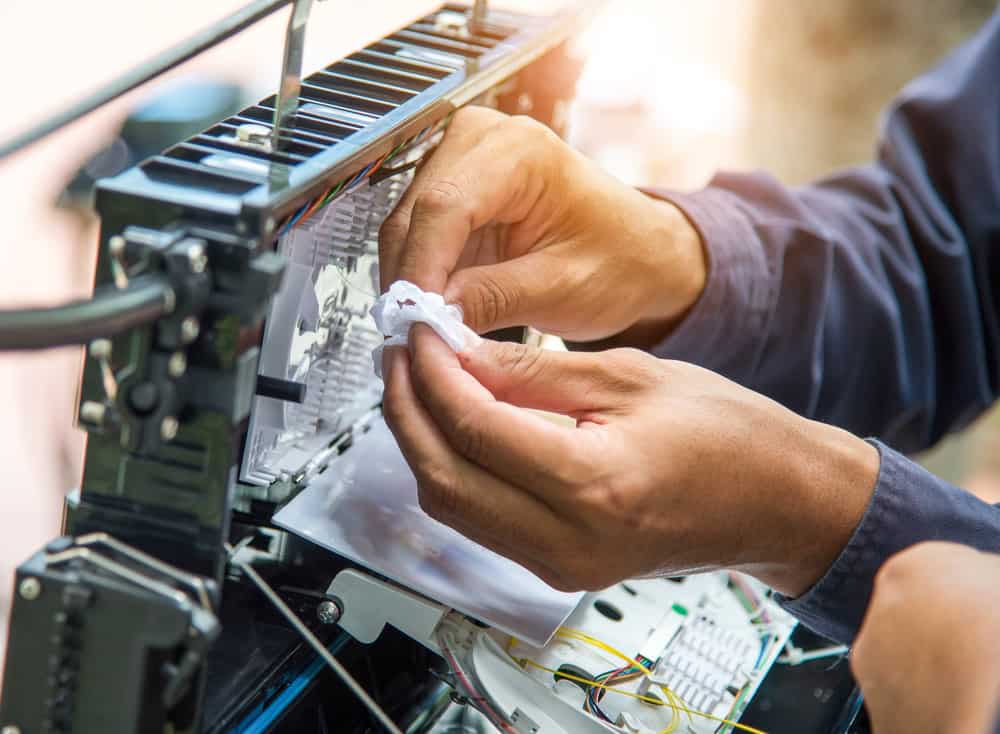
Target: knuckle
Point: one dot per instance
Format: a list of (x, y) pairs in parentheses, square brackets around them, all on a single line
[(530, 128), (522, 360), (442, 195), (858, 658), (467, 437), (436, 493), (896, 570), (491, 301), (474, 116)]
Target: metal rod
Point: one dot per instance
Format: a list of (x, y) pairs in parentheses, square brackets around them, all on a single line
[(314, 642), (147, 71), (290, 85)]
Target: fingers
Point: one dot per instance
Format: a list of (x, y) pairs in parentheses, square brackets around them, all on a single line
[(466, 185), (518, 446), (562, 382), (458, 493), (518, 292)]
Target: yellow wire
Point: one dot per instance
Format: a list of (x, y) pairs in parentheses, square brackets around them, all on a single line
[(640, 697), (574, 634)]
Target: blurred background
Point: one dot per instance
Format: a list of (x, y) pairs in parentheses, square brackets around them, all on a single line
[(671, 92)]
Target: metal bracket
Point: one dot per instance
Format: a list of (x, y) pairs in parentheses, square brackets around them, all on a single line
[(290, 84), (369, 604), (480, 9)]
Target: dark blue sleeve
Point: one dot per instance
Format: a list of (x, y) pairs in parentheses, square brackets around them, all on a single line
[(909, 506), (867, 299)]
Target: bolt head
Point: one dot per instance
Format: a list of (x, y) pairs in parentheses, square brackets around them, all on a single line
[(169, 428), (93, 413), (251, 131), (329, 612), (30, 588), (100, 349), (197, 258), (116, 246), (177, 365), (190, 329)]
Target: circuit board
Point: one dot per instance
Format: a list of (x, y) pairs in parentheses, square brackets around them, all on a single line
[(663, 655)]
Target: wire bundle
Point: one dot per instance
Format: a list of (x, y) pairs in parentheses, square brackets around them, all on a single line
[(345, 186), (611, 681)]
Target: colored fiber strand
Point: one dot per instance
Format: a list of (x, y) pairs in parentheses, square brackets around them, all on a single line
[(640, 697)]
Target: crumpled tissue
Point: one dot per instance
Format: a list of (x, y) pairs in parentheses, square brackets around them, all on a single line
[(406, 304)]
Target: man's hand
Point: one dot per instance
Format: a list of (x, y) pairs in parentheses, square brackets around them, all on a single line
[(668, 468), (519, 229), (928, 654)]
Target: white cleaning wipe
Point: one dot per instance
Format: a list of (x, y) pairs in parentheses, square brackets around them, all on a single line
[(404, 305)]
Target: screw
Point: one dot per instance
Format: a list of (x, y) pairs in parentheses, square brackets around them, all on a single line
[(100, 349), (259, 135), (329, 612), (168, 428), (197, 258), (29, 588), (116, 246), (93, 413), (177, 365), (189, 329)]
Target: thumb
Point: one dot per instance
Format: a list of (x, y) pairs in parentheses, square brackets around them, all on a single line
[(517, 292), (529, 377)]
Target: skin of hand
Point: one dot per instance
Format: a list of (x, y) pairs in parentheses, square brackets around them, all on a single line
[(515, 226), (928, 653), (668, 469)]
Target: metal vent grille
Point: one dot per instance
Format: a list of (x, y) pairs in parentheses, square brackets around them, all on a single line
[(335, 103)]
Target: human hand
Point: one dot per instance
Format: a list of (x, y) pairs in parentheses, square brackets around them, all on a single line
[(928, 653), (519, 229), (669, 468)]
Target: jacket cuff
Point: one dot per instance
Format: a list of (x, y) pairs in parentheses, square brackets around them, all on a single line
[(910, 505), (729, 318)]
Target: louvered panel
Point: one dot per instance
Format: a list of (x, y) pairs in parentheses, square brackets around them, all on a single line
[(293, 147), (287, 157), (264, 114), (408, 79), (296, 134), (358, 84), (226, 161), (181, 171), (314, 91), (429, 29), (393, 61), (463, 48), (346, 98), (491, 29), (401, 49)]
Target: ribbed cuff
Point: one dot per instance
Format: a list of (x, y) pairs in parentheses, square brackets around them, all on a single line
[(728, 320)]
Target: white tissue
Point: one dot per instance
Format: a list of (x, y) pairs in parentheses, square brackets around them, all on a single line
[(404, 305)]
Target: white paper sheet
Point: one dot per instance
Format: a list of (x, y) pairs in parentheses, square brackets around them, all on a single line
[(364, 507)]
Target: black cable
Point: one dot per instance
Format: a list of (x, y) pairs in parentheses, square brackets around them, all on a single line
[(154, 67), (109, 312)]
